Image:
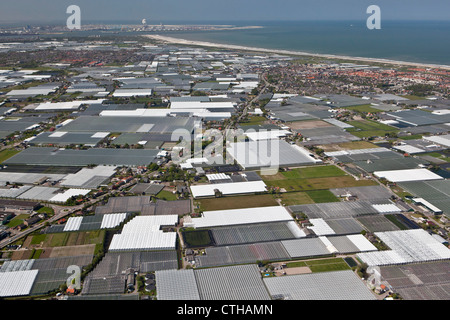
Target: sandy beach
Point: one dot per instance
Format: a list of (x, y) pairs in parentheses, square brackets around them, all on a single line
[(295, 53)]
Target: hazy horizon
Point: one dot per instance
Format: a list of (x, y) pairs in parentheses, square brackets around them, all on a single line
[(171, 11)]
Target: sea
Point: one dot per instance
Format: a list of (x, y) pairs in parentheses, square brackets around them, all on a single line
[(411, 41)]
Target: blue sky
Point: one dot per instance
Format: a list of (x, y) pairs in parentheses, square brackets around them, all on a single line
[(51, 11)]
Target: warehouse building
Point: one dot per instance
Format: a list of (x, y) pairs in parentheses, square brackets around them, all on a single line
[(254, 155)]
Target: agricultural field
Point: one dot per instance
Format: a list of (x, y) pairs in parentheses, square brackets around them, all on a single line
[(238, 202), (47, 210), (318, 183), (353, 145), (412, 137), (8, 153), (254, 120), (367, 128), (321, 265), (66, 239), (294, 198), (322, 196), (307, 197), (311, 184), (439, 156), (313, 172), (365, 108), (166, 195)]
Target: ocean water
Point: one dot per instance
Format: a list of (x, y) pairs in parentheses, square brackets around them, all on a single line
[(412, 41)]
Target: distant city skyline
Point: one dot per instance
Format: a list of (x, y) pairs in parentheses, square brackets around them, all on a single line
[(51, 11)]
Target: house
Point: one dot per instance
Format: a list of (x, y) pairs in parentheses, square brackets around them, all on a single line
[(33, 220), (20, 227), (71, 290)]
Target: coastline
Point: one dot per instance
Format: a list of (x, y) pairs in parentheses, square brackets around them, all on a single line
[(295, 53)]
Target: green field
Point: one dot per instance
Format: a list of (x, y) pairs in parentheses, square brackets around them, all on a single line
[(412, 137), (314, 172), (314, 182), (366, 108), (68, 238), (166, 195), (322, 196), (294, 198), (321, 265), (319, 183), (8, 153), (238, 202), (18, 220), (367, 128), (38, 239), (438, 155), (36, 254), (47, 210), (253, 120), (197, 238)]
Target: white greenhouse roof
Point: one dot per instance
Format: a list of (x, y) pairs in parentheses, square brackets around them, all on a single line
[(443, 140), (330, 247), (241, 216), (218, 176), (356, 151), (144, 240), (409, 149), (17, 283), (270, 153), (267, 134), (201, 105), (63, 197), (384, 208), (73, 224), (143, 233), (320, 227), (207, 190), (407, 246), (71, 105), (132, 92), (361, 242), (427, 204), (407, 175), (84, 175), (112, 220)]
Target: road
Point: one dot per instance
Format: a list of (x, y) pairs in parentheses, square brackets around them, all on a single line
[(249, 103), (60, 212)]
